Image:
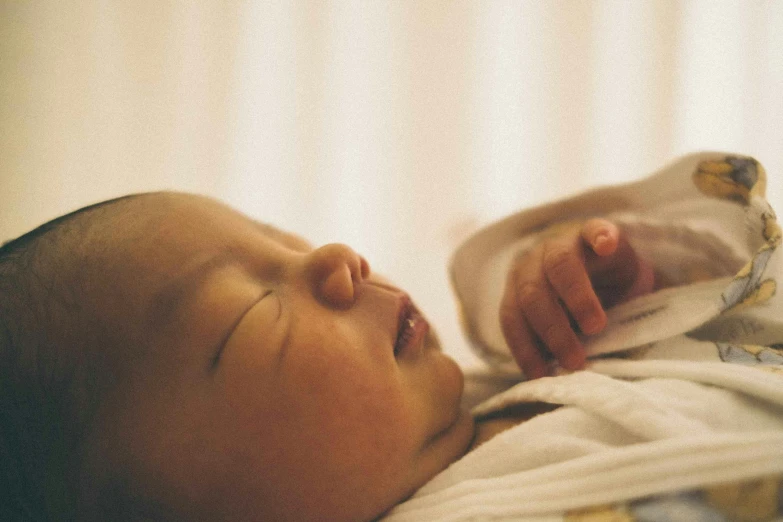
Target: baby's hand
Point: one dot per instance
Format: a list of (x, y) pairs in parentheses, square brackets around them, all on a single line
[(562, 287)]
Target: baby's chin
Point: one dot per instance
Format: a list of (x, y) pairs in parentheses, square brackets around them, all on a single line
[(448, 447)]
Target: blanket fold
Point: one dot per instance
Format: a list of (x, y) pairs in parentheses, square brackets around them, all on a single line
[(679, 414)]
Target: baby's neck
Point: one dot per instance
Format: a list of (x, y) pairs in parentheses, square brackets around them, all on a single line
[(488, 427)]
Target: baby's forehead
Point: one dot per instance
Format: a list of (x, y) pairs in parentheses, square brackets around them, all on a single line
[(188, 213), (161, 238), (290, 239), (132, 252), (167, 234)]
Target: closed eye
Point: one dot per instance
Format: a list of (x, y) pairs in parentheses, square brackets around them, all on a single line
[(224, 341)]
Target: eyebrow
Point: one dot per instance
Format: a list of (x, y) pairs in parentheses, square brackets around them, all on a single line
[(291, 240), (167, 299), (184, 285)]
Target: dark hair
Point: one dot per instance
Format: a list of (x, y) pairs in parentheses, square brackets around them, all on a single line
[(44, 386)]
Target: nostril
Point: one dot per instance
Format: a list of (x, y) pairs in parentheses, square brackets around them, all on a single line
[(337, 288), (364, 267), (335, 270)]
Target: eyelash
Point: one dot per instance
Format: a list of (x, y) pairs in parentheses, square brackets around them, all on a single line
[(279, 303), (219, 354), (267, 294)]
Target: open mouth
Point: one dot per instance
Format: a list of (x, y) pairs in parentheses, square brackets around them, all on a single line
[(412, 328)]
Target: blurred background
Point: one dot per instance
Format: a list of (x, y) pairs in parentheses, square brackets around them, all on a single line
[(397, 127)]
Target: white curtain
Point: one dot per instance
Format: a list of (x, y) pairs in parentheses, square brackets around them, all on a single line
[(394, 126)]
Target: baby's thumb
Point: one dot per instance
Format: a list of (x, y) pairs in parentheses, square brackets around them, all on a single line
[(601, 235), (617, 272)]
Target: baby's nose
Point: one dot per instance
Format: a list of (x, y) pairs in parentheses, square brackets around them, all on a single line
[(333, 271)]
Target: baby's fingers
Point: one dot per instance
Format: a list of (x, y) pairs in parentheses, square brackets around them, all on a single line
[(565, 270), (601, 236), (617, 273), (521, 340), (530, 313)]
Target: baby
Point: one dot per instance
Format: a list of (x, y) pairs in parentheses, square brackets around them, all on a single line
[(164, 357)]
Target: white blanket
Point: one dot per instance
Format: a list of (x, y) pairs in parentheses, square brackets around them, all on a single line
[(622, 446), (679, 416)]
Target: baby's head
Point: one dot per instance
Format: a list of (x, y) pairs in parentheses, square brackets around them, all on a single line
[(165, 357)]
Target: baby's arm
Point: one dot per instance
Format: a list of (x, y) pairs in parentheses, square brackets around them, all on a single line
[(562, 287)]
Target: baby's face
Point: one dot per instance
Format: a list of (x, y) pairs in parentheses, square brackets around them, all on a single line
[(265, 380)]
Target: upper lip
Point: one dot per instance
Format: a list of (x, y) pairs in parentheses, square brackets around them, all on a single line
[(404, 309)]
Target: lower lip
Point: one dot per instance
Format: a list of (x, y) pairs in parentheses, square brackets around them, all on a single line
[(415, 344)]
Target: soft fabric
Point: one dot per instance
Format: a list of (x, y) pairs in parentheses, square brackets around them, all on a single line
[(617, 445), (702, 221), (679, 415)]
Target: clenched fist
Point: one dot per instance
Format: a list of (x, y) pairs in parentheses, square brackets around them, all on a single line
[(561, 289)]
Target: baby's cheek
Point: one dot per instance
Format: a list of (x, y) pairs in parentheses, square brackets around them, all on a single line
[(362, 404), (435, 388), (336, 423), (360, 429)]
